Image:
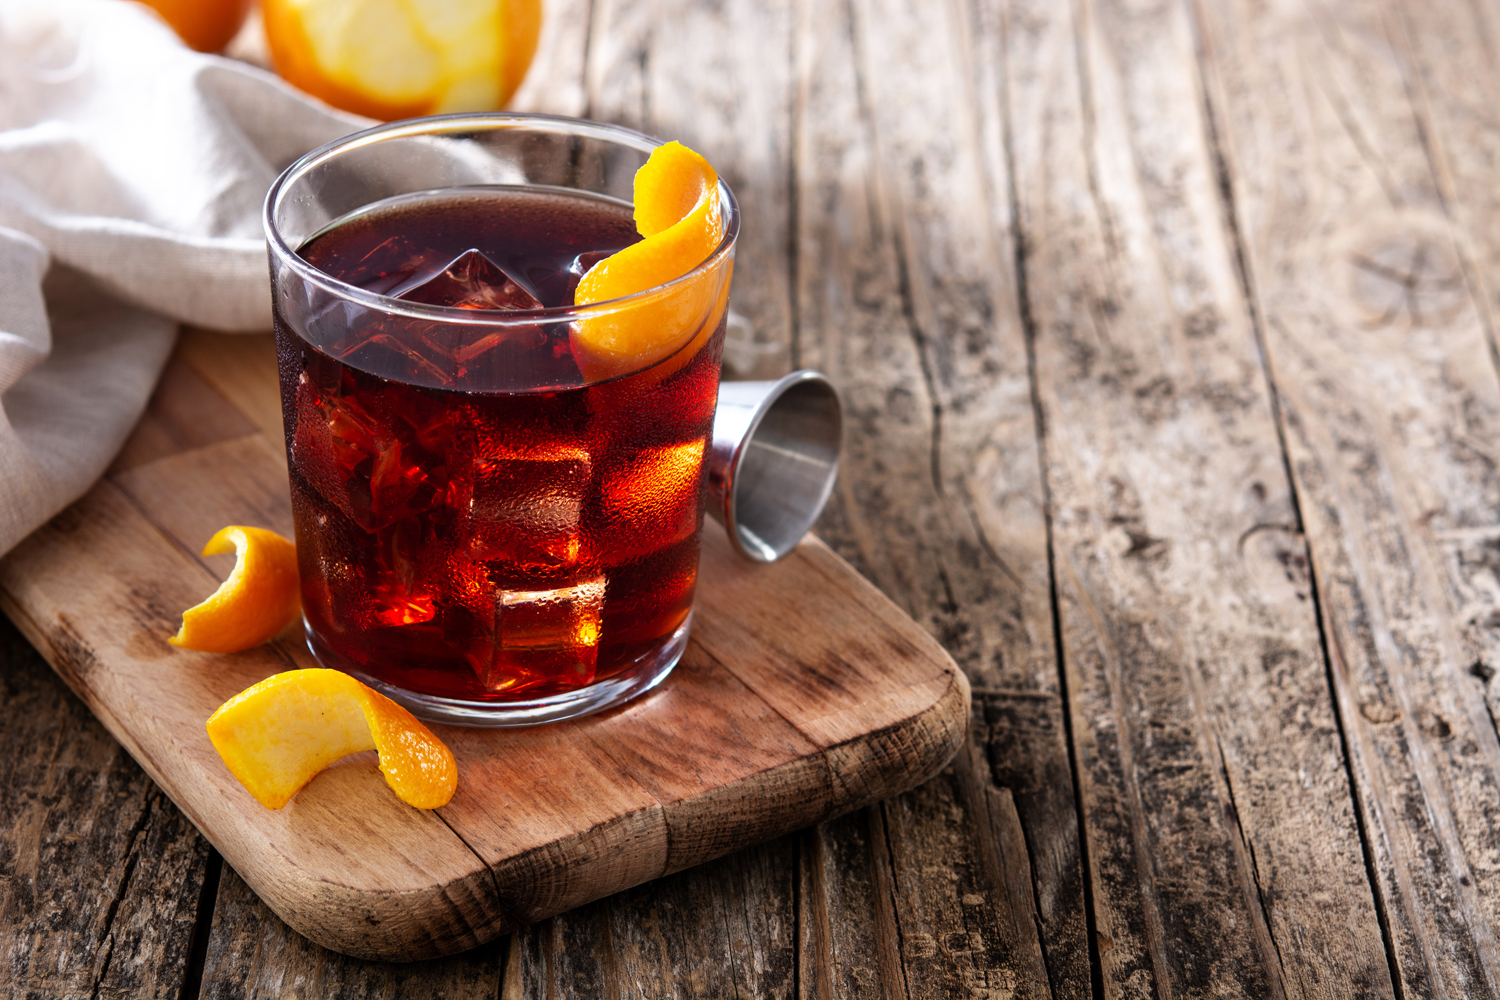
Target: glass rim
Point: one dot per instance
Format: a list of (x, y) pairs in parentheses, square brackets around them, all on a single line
[(471, 122)]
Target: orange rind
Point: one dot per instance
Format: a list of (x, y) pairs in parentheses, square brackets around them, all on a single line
[(205, 25), (257, 601), (678, 211), (277, 735), (391, 59)]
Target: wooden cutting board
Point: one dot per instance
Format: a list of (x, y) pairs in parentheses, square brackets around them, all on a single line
[(804, 693)]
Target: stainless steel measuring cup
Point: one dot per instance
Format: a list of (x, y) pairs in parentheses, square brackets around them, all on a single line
[(774, 459)]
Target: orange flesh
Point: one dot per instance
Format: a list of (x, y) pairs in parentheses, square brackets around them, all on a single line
[(351, 54)]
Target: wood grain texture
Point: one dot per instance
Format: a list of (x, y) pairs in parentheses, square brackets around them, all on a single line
[(545, 819), (848, 933), (717, 77), (1223, 848), (252, 955), (100, 875), (182, 414), (904, 297), (1371, 283), (964, 928), (725, 929), (216, 360)]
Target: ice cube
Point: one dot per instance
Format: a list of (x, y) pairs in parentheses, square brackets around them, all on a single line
[(395, 358), (393, 603), (472, 281), (392, 265), (359, 462), (327, 442), (547, 640), (404, 480), (652, 501), (559, 618), (350, 587), (365, 338), (527, 505)]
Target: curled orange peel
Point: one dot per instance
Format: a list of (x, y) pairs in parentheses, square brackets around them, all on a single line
[(257, 601), (678, 211), (277, 735)]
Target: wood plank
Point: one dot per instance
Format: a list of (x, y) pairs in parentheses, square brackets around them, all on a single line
[(723, 932), (241, 368), (1340, 147), (566, 956), (100, 875), (184, 412), (1015, 735), (1004, 861), (843, 923), (761, 918), (724, 929), (717, 77), (251, 955), (956, 938), (170, 493), (816, 679), (1448, 52), (768, 785), (1223, 847), (905, 298)]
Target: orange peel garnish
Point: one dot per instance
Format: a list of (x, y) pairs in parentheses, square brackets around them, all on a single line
[(678, 212), (256, 602), (277, 735)]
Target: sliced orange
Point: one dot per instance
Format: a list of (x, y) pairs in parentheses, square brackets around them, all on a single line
[(206, 25), (402, 58), (677, 210), (256, 602), (277, 735)]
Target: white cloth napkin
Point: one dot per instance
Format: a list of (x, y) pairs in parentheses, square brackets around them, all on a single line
[(132, 171)]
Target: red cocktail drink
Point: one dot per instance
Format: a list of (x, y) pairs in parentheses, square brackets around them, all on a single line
[(482, 529)]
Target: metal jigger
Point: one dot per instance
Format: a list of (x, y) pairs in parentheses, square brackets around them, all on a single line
[(774, 459)]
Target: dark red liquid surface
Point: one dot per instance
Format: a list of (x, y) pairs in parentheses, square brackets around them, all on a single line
[(486, 545)]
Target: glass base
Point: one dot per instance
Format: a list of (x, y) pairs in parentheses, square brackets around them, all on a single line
[(637, 678)]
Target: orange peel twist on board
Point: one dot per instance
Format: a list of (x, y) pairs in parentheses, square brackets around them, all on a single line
[(678, 212), (277, 735), (256, 602)]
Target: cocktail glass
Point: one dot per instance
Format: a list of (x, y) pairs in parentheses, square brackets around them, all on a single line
[(484, 532)]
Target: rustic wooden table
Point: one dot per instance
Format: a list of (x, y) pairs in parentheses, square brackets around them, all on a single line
[(1167, 332)]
